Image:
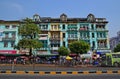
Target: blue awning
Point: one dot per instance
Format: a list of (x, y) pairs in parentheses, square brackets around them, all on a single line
[(99, 53)]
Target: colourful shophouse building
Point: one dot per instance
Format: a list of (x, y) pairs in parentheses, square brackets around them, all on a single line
[(61, 31), (8, 36)]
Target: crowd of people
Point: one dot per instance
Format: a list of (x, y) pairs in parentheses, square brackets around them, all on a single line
[(76, 60)]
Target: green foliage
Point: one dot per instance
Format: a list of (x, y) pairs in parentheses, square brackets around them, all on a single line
[(63, 51), (29, 43), (117, 48), (79, 47), (28, 30)]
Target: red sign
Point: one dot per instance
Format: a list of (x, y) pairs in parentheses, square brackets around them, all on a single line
[(8, 51)]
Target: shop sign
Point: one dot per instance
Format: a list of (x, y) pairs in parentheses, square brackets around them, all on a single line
[(42, 53), (104, 51), (8, 51)]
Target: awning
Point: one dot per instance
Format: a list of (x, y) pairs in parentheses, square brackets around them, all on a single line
[(12, 55)]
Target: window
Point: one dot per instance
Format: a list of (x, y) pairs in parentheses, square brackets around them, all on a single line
[(93, 43), (68, 35), (7, 26), (92, 35), (12, 44), (116, 55), (63, 35), (13, 26), (13, 35), (5, 44), (64, 44), (55, 26), (6, 35), (63, 26), (52, 27), (46, 26), (1, 33), (92, 27), (100, 35)]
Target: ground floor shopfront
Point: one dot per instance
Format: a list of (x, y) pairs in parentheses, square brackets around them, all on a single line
[(9, 56)]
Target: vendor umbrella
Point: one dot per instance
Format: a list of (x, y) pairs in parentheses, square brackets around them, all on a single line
[(68, 58)]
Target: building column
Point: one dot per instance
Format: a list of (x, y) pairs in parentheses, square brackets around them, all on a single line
[(61, 39)]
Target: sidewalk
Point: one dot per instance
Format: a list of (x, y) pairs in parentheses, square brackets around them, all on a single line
[(45, 65)]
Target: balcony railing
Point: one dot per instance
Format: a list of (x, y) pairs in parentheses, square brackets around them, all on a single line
[(103, 47), (97, 29), (85, 38), (44, 30), (71, 29), (83, 29), (43, 48), (51, 48), (55, 48), (55, 30), (101, 38), (55, 38), (14, 29), (8, 39), (72, 38), (55, 42), (43, 38)]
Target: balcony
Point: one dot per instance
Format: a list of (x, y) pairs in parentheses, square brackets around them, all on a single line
[(44, 29), (43, 38), (71, 29), (10, 30), (43, 49), (55, 30), (55, 42), (8, 39), (97, 29), (55, 48), (55, 38), (102, 47), (72, 38), (85, 38), (101, 38), (83, 29)]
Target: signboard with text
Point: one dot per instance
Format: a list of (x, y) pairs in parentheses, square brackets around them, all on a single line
[(8, 51)]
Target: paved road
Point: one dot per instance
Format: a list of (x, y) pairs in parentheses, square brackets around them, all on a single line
[(52, 68), (104, 76)]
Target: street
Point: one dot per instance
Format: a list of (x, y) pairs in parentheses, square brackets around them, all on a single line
[(92, 76)]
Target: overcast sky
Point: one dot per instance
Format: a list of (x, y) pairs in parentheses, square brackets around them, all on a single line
[(19, 9)]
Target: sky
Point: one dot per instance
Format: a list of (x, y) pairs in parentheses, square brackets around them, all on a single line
[(19, 9)]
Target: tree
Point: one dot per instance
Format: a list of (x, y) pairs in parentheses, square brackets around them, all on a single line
[(28, 31), (79, 47), (117, 48), (63, 51)]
